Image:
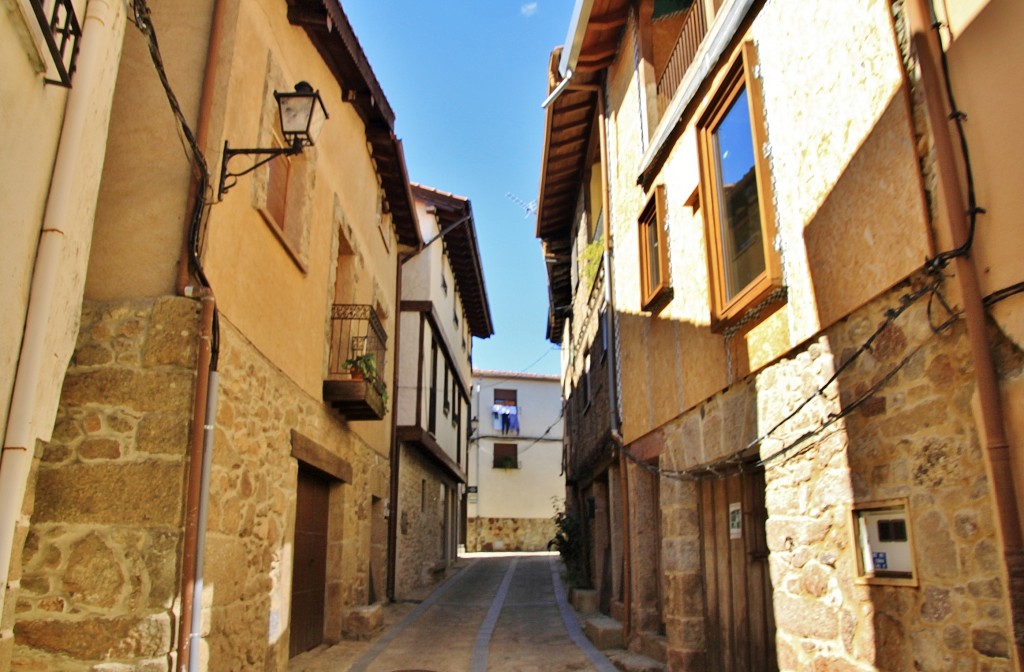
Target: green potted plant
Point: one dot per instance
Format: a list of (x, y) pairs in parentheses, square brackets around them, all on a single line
[(363, 366)]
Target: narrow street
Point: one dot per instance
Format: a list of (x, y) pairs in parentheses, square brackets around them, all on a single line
[(497, 613)]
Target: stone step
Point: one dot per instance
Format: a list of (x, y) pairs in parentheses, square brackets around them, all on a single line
[(604, 632), (363, 623), (583, 600), (652, 645), (628, 661)]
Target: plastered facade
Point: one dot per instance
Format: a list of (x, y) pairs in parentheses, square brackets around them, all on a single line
[(100, 578), (513, 506)]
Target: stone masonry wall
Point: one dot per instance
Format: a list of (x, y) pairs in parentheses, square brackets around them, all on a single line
[(421, 524), (100, 565), (509, 534), (252, 511), (912, 436)]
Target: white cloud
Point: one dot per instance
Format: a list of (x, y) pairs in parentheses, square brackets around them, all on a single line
[(529, 9)]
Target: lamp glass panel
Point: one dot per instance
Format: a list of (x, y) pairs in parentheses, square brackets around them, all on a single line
[(295, 113), (318, 115)]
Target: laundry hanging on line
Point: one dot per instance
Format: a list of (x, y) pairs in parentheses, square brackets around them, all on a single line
[(505, 419)]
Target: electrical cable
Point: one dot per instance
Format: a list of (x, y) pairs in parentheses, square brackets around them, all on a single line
[(957, 117), (142, 19), (747, 454), (524, 370)]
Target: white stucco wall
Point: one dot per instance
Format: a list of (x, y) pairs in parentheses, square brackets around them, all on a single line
[(529, 491)]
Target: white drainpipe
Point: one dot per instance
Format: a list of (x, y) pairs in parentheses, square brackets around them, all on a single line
[(103, 31)]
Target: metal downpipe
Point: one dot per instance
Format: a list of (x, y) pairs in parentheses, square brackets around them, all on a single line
[(996, 447), (103, 29)]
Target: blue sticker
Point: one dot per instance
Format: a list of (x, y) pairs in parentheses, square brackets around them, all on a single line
[(880, 561)]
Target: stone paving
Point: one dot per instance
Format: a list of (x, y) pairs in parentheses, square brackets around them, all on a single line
[(496, 612)]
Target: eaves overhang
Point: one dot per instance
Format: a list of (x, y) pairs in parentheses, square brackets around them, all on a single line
[(574, 74), (595, 30), (425, 442), (331, 33), (463, 254)]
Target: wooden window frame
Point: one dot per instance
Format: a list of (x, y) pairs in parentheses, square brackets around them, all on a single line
[(504, 452), (291, 220), (279, 184), (446, 403), (724, 309), (503, 396), (653, 214), (584, 385)]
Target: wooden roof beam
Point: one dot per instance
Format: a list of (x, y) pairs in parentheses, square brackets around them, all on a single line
[(607, 21)]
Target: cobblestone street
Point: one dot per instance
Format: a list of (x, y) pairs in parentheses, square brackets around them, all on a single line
[(496, 612)]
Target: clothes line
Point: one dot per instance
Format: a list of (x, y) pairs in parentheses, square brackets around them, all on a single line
[(505, 419)]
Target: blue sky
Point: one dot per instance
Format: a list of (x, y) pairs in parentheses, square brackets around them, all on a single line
[(466, 79)]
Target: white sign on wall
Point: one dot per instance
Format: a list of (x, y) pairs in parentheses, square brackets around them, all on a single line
[(735, 520)]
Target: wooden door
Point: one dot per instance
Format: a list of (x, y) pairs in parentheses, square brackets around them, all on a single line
[(309, 566), (740, 621)]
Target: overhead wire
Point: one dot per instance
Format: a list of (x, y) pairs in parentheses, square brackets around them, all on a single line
[(525, 369)]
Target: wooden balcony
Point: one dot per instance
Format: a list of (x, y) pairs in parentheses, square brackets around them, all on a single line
[(691, 34), (354, 385)]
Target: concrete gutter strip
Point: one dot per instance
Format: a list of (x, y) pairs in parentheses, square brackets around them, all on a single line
[(572, 626), (371, 654), (482, 645)]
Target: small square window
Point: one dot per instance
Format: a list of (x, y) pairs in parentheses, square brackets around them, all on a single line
[(885, 551), (506, 456)]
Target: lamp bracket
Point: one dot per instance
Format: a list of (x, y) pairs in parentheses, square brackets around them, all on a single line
[(229, 179)]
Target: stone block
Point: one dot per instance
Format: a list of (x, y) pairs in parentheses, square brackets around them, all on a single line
[(160, 558), (652, 645), (805, 617), (93, 576), (172, 333), (363, 623), (990, 643), (99, 638), (163, 433), (605, 632), (138, 390), (146, 494), (225, 557), (583, 600)]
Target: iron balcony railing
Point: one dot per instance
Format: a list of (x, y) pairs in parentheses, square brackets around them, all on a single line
[(61, 30), (358, 345), (694, 28)]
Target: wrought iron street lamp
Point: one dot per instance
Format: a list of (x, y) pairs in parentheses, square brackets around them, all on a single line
[(302, 115)]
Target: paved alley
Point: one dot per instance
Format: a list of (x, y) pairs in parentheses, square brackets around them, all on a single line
[(497, 613)]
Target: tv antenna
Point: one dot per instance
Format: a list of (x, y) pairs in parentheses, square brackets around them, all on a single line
[(530, 208)]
